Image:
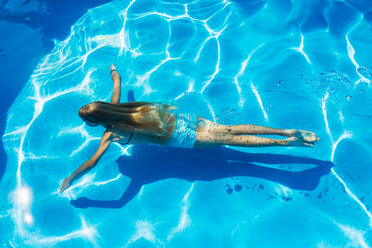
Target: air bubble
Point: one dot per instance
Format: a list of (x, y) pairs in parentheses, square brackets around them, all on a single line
[(365, 72), (334, 83), (231, 110)]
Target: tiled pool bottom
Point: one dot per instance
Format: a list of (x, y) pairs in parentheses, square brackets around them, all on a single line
[(280, 65)]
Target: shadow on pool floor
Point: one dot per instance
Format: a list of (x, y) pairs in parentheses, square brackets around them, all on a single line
[(206, 164)]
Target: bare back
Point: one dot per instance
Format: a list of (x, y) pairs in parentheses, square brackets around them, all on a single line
[(136, 138)]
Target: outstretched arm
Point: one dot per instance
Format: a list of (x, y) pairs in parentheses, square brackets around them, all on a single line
[(117, 85), (88, 165)]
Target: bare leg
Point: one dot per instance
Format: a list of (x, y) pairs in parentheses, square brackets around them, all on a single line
[(211, 139), (205, 125), (210, 126)]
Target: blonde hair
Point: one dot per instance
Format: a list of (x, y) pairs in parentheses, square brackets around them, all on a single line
[(141, 117)]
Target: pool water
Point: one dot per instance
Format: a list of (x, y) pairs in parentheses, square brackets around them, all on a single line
[(285, 64)]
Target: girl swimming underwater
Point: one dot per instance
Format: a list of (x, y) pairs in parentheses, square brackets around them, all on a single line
[(156, 123)]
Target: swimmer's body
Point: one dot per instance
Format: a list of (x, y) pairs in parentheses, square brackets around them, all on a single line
[(154, 123)]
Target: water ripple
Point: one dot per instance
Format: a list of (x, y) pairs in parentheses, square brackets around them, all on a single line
[(290, 64)]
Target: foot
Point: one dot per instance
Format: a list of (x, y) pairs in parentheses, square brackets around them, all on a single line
[(306, 136), (294, 141)]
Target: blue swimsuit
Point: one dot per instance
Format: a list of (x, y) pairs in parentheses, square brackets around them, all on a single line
[(184, 134)]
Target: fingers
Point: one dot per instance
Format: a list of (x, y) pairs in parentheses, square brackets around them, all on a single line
[(112, 67), (65, 185), (61, 189)]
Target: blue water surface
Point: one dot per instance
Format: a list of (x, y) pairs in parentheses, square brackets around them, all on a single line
[(286, 64), (27, 31)]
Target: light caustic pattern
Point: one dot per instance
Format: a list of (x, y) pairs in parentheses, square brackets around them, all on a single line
[(233, 63)]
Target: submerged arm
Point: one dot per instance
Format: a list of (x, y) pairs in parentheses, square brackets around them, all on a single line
[(117, 85), (88, 165)]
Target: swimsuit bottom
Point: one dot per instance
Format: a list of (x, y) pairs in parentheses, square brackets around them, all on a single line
[(184, 134)]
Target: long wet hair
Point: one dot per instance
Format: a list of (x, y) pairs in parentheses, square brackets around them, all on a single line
[(141, 117)]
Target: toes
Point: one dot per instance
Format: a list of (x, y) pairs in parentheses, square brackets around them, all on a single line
[(309, 144)]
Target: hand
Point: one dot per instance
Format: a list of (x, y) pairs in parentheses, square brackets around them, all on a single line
[(65, 184), (112, 67), (114, 73)]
